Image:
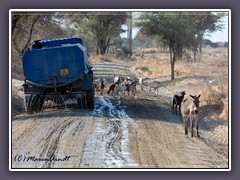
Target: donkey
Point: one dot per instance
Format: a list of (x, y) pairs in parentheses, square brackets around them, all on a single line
[(177, 100), (190, 110)]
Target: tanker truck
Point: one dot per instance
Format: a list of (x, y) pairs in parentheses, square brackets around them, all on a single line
[(57, 70)]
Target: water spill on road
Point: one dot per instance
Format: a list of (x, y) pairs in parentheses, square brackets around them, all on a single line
[(107, 145)]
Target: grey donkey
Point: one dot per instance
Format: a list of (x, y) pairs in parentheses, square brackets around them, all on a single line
[(190, 111)]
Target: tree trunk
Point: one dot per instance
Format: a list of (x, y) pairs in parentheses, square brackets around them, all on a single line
[(200, 44), (195, 50), (102, 47), (15, 20), (194, 55), (172, 71), (130, 33), (200, 48), (179, 53), (172, 61)]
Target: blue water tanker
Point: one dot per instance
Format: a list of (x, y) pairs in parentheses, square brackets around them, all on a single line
[(57, 70)]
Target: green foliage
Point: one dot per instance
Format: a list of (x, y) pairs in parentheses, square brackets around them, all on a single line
[(117, 42), (179, 30), (143, 41), (105, 26), (144, 69), (97, 29), (184, 29), (29, 26), (126, 50)]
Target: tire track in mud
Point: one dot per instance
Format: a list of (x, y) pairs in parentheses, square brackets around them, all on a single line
[(78, 128), (54, 136), (112, 157), (110, 151), (52, 142)]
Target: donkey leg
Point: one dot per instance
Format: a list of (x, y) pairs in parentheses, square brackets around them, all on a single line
[(179, 110), (173, 107), (197, 127), (185, 124), (191, 126), (176, 108)]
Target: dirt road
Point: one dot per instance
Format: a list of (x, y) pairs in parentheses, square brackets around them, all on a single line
[(119, 133)]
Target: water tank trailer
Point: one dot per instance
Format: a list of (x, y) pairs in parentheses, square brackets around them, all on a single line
[(57, 70)]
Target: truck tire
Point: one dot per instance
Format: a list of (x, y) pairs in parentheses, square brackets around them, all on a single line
[(90, 99), (81, 102)]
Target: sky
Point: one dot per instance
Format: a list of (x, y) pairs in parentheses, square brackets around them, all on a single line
[(218, 36)]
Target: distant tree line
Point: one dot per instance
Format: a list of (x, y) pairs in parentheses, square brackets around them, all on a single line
[(101, 30), (208, 43)]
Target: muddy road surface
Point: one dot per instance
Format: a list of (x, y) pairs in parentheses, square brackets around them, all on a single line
[(118, 133)]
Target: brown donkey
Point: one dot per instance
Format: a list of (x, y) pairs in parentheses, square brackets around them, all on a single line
[(190, 110)]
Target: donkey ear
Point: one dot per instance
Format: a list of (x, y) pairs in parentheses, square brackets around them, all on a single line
[(199, 96), (191, 96)]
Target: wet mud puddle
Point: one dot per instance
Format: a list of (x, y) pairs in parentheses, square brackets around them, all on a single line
[(107, 145)]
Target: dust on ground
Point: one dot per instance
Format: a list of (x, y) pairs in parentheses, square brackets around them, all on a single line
[(120, 132)]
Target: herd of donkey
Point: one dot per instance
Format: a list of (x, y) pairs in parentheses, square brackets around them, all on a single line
[(188, 106)]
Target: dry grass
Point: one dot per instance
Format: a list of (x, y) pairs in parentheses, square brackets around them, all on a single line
[(160, 68), (207, 76), (93, 59)]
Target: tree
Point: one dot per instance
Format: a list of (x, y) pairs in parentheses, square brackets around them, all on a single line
[(179, 30), (105, 26), (130, 31), (141, 40), (203, 23), (31, 25), (170, 26), (98, 27)]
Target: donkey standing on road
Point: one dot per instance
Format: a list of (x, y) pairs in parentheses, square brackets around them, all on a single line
[(190, 110), (177, 100)]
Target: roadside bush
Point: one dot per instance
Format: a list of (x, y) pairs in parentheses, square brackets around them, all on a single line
[(216, 99)]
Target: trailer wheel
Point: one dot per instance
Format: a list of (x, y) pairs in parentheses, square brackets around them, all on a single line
[(90, 99), (39, 103), (81, 102)]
